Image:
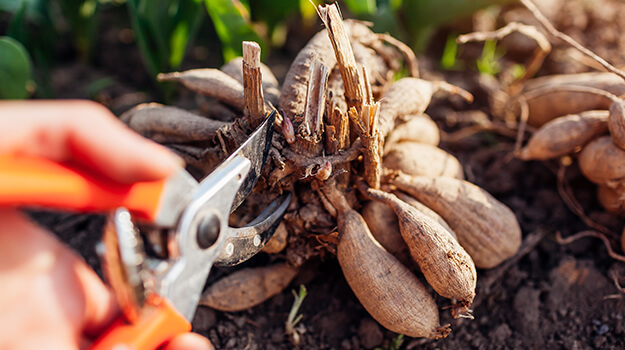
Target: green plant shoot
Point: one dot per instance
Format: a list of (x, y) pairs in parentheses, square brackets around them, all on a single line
[(163, 29), (293, 318), (15, 69), (488, 63), (231, 19), (449, 60)]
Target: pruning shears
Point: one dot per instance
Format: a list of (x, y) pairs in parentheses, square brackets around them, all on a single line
[(157, 295)]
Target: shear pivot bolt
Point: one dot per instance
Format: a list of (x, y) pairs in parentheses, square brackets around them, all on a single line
[(208, 231), (230, 249)]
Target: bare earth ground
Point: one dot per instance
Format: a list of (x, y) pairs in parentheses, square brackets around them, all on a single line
[(552, 297)]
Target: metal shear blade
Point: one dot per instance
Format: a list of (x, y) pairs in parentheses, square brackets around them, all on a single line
[(180, 188), (243, 243), (202, 236)]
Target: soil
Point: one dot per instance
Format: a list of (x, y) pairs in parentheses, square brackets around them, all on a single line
[(550, 296)]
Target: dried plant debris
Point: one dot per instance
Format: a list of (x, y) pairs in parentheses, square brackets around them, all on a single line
[(338, 107)]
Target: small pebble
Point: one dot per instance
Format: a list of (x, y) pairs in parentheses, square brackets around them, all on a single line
[(603, 329)]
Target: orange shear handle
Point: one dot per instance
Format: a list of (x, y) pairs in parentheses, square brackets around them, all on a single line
[(151, 331), (39, 182)]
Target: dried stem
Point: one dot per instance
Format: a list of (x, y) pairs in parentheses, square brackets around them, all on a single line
[(331, 18), (453, 89), (543, 49), (569, 199), (345, 156), (459, 135), (373, 147), (337, 129), (337, 138), (615, 279), (367, 93), (489, 278), (525, 115), (568, 240), (253, 84), (367, 128), (335, 197), (309, 132), (553, 31), (315, 99), (271, 87), (312, 166), (406, 51), (572, 88)]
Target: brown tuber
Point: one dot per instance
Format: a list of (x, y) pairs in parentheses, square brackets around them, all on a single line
[(411, 96), (278, 241), (391, 294), (165, 124), (271, 88), (616, 122), (487, 229), (612, 200), (445, 264), (248, 287), (425, 210), (419, 128), (551, 96), (422, 159), (210, 82), (384, 227), (603, 162), (564, 135)]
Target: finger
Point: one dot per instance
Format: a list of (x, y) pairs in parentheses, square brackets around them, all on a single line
[(86, 133), (100, 305), (47, 289), (189, 341)]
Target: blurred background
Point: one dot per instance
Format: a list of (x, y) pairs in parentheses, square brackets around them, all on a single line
[(111, 50)]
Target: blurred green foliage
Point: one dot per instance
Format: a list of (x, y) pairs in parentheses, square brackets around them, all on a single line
[(488, 63), (233, 25), (82, 18), (421, 17), (164, 29), (32, 26), (14, 69)]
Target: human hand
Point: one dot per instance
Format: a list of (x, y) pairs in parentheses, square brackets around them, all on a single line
[(50, 299)]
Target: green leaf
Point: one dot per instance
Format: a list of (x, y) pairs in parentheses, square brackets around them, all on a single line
[(17, 26), (15, 69), (189, 16), (82, 18), (233, 26), (361, 7), (308, 12), (385, 20), (421, 17), (274, 12), (163, 30), (95, 87), (33, 7)]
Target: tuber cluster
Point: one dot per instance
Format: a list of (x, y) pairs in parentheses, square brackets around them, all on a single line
[(345, 122)]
